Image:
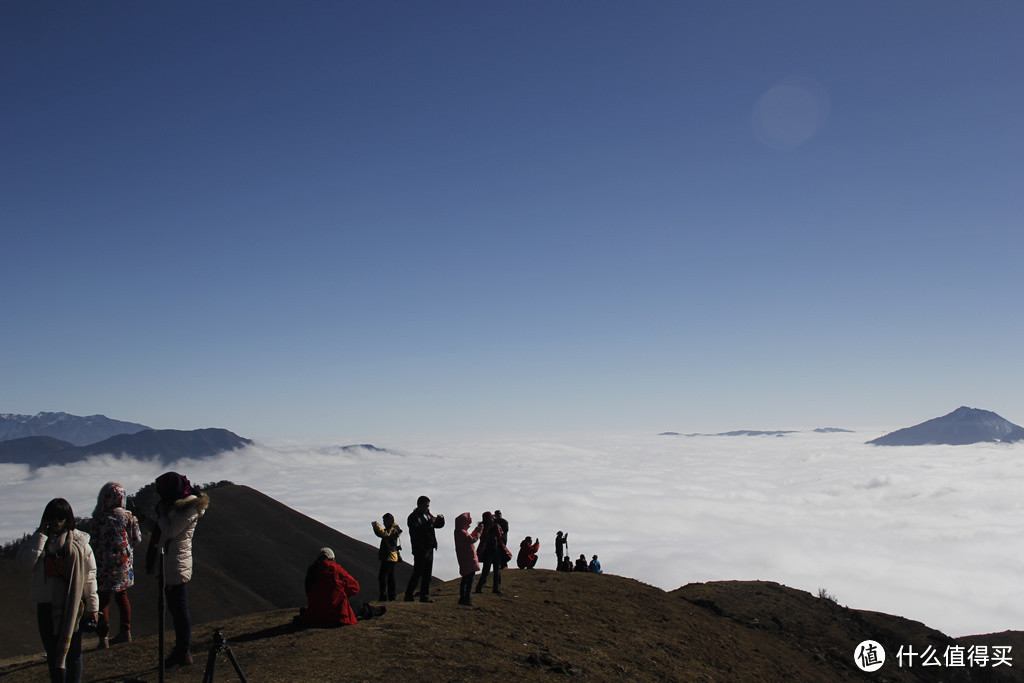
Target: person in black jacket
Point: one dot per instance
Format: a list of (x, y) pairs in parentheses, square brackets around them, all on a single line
[(421, 526)]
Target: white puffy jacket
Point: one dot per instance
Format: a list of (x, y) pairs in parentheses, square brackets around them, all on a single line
[(177, 524)]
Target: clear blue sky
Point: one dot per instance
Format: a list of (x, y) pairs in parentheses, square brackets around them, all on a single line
[(318, 219)]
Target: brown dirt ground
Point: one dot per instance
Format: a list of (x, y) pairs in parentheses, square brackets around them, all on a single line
[(548, 625)]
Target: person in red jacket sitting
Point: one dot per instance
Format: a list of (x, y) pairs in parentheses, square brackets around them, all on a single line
[(528, 553), (328, 588)]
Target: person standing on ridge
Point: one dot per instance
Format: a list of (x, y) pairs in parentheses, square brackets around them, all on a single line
[(491, 553), (63, 585), (503, 524), (424, 542), (389, 556), (115, 531), (178, 511), (561, 541), (469, 564)]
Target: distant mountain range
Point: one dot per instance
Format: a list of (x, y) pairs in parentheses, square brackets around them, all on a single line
[(78, 431), (961, 427), (166, 444), (756, 432)]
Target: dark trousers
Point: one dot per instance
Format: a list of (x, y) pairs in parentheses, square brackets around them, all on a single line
[(124, 608), (422, 568), (466, 587), (386, 580), (73, 662), (491, 558), (177, 605)]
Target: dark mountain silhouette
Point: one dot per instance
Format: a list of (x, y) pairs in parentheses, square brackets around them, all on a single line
[(167, 444), (79, 431), (960, 427), (37, 451), (170, 444), (251, 555)]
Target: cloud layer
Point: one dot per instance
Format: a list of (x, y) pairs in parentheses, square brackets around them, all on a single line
[(931, 533)]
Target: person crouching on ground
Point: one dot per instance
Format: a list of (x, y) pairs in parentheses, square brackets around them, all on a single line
[(491, 552), (581, 564), (388, 555), (469, 564), (328, 588), (63, 582), (115, 533), (528, 553), (177, 513), (595, 566)]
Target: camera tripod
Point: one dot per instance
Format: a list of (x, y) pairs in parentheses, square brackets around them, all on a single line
[(220, 645)]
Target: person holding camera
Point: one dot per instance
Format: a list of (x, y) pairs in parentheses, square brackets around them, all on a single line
[(389, 555), (424, 542), (63, 586), (178, 511), (469, 564), (528, 549), (115, 532)]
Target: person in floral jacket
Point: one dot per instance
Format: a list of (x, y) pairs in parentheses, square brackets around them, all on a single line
[(115, 531)]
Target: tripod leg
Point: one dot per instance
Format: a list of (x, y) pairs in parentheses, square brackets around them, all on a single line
[(234, 662), (211, 664)]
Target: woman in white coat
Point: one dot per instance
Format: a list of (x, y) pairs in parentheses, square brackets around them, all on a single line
[(63, 587), (177, 512)]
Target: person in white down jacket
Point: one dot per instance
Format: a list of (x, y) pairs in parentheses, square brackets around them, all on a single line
[(63, 585)]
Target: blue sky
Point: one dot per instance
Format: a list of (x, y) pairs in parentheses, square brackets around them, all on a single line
[(358, 219)]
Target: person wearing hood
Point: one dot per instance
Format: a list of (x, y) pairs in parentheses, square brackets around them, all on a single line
[(527, 558), (115, 533), (177, 513), (63, 586), (595, 566), (328, 589), (466, 554)]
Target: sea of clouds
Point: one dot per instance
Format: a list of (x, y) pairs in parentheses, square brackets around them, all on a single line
[(932, 533)]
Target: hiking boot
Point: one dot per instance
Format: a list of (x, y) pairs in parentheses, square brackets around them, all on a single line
[(426, 598), (122, 637), (178, 658), (409, 598), (496, 591), (467, 601), (103, 644)]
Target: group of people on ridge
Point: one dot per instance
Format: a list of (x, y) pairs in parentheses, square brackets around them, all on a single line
[(76, 575), (565, 564)]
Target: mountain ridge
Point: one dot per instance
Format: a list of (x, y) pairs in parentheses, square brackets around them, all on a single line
[(167, 444), (961, 427), (74, 429)]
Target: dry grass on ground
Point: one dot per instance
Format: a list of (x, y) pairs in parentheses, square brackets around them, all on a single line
[(545, 625)]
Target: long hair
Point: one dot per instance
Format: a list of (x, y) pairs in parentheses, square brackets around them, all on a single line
[(58, 509)]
